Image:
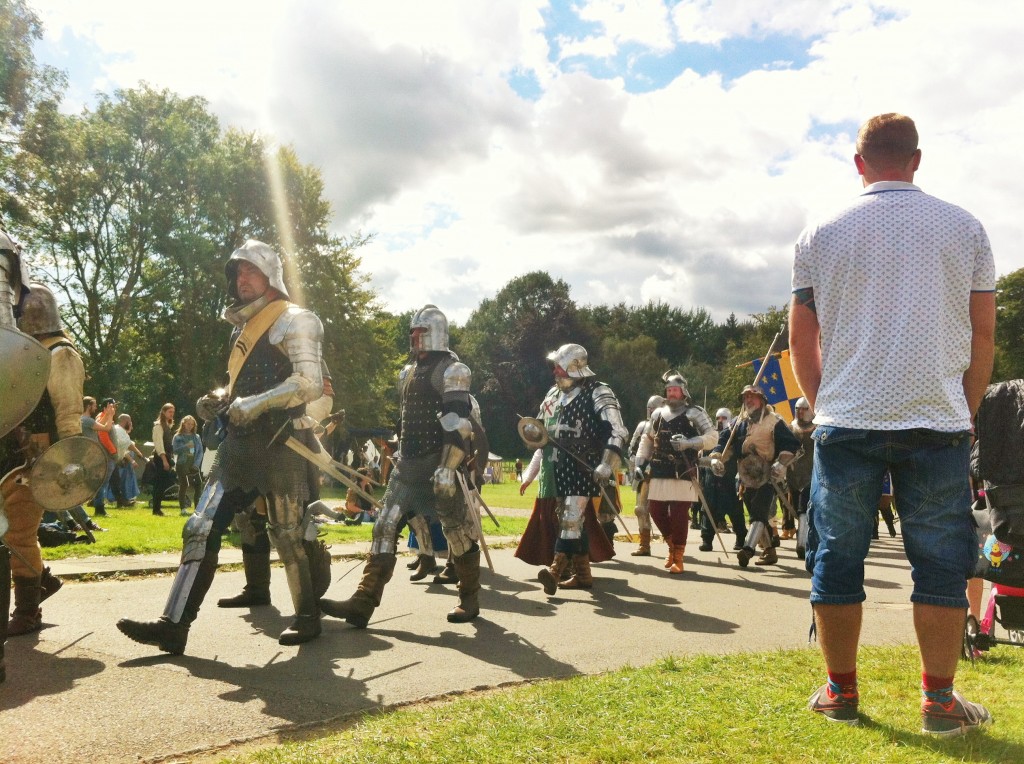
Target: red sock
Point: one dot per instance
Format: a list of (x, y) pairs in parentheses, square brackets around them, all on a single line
[(938, 689), (842, 684)]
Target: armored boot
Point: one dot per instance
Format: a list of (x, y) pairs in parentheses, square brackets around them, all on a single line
[(582, 578), (169, 635), (256, 591), (49, 584), (671, 556), (27, 617), (358, 608), (677, 559), (306, 625), (468, 566), (448, 575), (551, 576), (425, 565), (644, 550)]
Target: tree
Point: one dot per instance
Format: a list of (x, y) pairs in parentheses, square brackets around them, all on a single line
[(505, 342), (1010, 326), (24, 86), (633, 369)]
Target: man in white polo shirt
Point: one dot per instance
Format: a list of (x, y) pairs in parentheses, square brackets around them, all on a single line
[(898, 289)]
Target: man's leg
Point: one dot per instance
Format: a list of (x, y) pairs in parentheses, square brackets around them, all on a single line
[(286, 520)]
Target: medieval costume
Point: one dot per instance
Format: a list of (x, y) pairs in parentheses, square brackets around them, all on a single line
[(274, 370), (439, 451), (583, 417), (640, 482), (761, 444), (676, 433), (798, 476)]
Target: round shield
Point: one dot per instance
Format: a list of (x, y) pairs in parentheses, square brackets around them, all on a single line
[(68, 473), (753, 470), (24, 369), (533, 432), (122, 441)]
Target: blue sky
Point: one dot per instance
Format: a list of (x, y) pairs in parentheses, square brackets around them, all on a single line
[(640, 150)]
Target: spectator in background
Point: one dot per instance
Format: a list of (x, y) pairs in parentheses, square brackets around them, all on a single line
[(163, 461), (94, 422), (188, 456), (124, 473)]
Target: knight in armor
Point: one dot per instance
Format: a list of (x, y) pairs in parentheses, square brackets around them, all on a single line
[(57, 416), (798, 476), (441, 437), (13, 289), (640, 481), (720, 493), (583, 416), (761, 444), (274, 370), (675, 435)]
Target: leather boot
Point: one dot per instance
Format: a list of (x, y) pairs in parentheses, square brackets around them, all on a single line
[(468, 566), (319, 556), (27, 616), (256, 591), (671, 556), (582, 579), (677, 559), (609, 531), (167, 635), (49, 584), (770, 557), (644, 550), (358, 608), (550, 576), (425, 565), (448, 575)]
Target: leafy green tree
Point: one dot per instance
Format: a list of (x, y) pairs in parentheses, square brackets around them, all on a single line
[(633, 369), (1010, 326), (505, 342), (737, 372)]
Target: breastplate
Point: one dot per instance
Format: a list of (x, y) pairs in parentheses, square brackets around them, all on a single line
[(421, 403)]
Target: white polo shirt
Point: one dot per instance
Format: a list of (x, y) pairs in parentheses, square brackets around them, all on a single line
[(892, 276)]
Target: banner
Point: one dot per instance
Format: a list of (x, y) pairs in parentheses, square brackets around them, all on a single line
[(776, 379)]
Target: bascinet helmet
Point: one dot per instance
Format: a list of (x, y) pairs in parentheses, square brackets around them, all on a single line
[(263, 257), (435, 337), (655, 401), (39, 313), (572, 358), (723, 412)]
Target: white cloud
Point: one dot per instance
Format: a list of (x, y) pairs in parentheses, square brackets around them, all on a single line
[(692, 192)]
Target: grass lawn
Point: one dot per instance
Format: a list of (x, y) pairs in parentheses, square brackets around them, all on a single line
[(733, 708), (138, 531)]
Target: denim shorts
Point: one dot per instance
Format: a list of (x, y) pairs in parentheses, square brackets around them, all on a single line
[(931, 493)]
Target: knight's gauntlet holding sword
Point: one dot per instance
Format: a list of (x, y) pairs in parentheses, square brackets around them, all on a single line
[(609, 463)]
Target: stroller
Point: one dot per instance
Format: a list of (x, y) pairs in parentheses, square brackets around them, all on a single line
[(999, 517)]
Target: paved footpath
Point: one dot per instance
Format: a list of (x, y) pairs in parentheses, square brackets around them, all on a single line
[(79, 691)]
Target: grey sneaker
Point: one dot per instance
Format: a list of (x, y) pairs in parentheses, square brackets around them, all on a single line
[(958, 717), (839, 708)]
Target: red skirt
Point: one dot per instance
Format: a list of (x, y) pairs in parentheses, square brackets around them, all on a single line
[(537, 546)]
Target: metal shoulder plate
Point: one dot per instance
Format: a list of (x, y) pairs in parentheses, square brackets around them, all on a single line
[(457, 378)]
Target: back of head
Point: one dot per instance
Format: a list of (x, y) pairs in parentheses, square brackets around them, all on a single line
[(887, 140)]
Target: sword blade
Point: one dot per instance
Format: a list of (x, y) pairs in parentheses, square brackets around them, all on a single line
[(328, 465)]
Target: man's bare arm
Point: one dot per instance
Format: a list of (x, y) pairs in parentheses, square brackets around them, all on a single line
[(983, 333), (804, 343)]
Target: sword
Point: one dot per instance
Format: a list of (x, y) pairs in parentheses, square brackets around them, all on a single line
[(707, 511), (603, 488), (329, 466), (471, 501)]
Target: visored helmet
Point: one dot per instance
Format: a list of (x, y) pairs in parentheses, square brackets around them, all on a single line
[(572, 358), (39, 313), (263, 257), (430, 318)]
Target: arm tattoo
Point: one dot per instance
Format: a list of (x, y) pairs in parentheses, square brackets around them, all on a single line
[(805, 297)]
